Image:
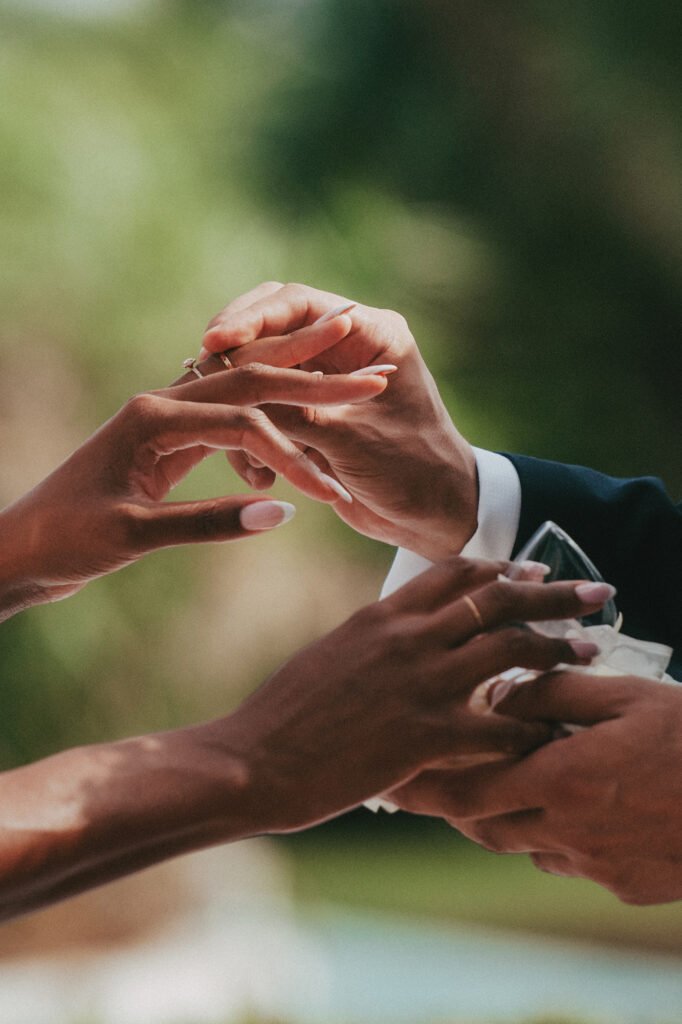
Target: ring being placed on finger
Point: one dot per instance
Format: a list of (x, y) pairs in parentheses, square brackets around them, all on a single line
[(473, 608), (224, 359), (191, 365)]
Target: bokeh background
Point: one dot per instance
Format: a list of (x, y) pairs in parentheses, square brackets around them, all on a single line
[(508, 176)]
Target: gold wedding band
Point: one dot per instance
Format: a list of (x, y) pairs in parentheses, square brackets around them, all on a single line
[(473, 608), (223, 357)]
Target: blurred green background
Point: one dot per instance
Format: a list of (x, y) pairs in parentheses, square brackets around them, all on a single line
[(508, 176)]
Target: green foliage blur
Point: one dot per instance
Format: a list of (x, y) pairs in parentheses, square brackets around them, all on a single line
[(508, 176)]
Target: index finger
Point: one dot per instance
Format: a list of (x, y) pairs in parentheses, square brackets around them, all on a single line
[(578, 698), (280, 312), (256, 384)]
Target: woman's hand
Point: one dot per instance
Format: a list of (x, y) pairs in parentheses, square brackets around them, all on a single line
[(385, 696), (103, 508), (411, 474)]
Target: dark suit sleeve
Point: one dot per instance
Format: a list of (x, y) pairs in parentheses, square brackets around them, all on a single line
[(631, 530)]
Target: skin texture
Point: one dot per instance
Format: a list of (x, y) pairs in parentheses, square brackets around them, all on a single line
[(104, 508), (411, 474), (368, 707), (600, 804)]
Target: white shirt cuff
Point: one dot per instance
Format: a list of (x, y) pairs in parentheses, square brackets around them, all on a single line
[(499, 511)]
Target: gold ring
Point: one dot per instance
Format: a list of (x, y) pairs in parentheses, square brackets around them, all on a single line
[(473, 608), (223, 357)]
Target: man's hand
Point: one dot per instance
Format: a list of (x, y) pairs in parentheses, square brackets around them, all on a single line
[(604, 803), (103, 508), (411, 474)]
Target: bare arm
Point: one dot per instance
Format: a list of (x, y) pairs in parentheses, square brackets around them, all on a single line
[(366, 708)]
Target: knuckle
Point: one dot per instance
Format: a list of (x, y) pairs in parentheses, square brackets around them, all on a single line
[(207, 521), (500, 600), (143, 408), (248, 424), (250, 380), (296, 289), (396, 320)]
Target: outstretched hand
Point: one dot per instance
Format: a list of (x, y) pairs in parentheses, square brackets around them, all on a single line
[(411, 474), (386, 695), (103, 507)]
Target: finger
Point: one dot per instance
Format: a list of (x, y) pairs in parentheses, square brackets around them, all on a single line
[(245, 300), (504, 601), (494, 653), (286, 350), (469, 795), (497, 736), (519, 832), (195, 522), (487, 791), (256, 384), (167, 426), (259, 478), (555, 864), (281, 312), (443, 583), (570, 697)]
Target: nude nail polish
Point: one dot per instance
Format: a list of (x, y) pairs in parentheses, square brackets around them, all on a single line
[(333, 313), (382, 370), (265, 515)]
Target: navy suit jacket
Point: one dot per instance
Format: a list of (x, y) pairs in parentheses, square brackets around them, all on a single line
[(631, 530)]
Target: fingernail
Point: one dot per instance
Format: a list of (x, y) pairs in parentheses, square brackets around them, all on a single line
[(203, 354), (264, 515), (534, 570), (383, 371), (317, 373), (337, 487), (337, 311), (584, 649), (594, 593), (499, 691)]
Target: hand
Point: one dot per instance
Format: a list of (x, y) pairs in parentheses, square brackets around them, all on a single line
[(103, 508), (385, 696), (411, 474), (604, 803)]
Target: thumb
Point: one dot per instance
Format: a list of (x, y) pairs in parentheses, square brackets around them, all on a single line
[(581, 699), (218, 519)]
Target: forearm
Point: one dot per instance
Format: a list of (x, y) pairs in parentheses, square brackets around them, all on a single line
[(92, 814)]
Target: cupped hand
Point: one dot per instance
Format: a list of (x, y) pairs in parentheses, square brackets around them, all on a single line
[(603, 803), (411, 474), (385, 696), (103, 507)]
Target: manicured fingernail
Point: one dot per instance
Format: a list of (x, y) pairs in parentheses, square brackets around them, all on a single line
[(203, 354), (534, 570), (264, 515), (382, 370), (337, 311), (499, 691), (594, 593), (584, 649), (337, 487)]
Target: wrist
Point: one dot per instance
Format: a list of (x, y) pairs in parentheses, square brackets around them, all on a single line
[(451, 519)]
